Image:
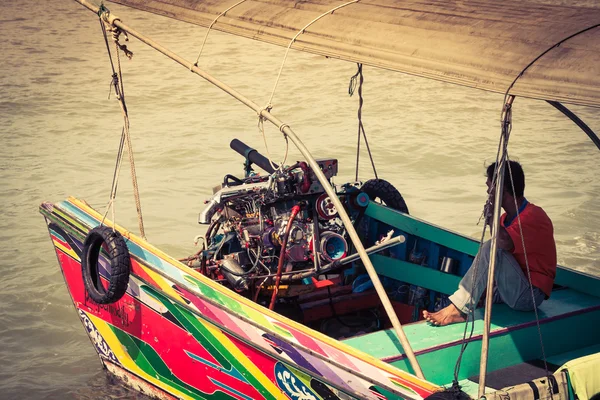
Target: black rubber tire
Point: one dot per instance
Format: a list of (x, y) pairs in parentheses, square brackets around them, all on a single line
[(386, 193), (120, 265), (449, 394)]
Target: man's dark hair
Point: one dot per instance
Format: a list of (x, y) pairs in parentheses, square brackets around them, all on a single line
[(517, 174)]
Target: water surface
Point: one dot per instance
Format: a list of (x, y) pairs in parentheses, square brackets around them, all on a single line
[(60, 133)]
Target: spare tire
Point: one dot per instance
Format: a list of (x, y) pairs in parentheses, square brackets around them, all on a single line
[(120, 265), (386, 193)]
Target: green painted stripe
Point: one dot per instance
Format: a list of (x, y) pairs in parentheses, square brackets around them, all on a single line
[(415, 274), (236, 307), (217, 349), (422, 229), (150, 362), (70, 218), (188, 324), (64, 225)]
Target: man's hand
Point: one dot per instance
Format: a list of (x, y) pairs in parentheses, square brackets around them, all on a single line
[(504, 240), (488, 212)]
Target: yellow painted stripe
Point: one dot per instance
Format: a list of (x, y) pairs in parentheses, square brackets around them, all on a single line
[(65, 250), (125, 359), (241, 357), (417, 382), (164, 285), (246, 302)]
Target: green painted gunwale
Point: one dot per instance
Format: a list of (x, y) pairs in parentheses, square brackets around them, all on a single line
[(579, 281)]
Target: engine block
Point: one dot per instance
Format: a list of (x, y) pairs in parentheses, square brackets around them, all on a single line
[(250, 219)]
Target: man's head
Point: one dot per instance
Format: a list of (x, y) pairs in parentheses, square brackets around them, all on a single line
[(518, 179)]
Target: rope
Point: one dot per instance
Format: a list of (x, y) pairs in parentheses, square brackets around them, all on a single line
[(361, 127), (537, 318), (557, 44), (261, 129), (301, 31), (210, 27), (506, 130), (269, 105), (506, 124), (115, 182), (117, 82)]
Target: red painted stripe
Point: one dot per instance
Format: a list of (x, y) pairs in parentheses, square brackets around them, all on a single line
[(59, 240), (379, 395), (412, 386), (139, 271)]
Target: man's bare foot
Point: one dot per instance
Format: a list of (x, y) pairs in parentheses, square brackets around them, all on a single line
[(446, 316)]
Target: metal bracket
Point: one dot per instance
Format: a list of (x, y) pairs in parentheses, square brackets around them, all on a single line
[(592, 135)]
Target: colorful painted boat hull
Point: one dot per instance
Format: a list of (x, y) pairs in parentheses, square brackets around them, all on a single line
[(177, 334)]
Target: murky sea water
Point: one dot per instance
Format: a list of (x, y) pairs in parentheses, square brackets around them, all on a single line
[(60, 133)]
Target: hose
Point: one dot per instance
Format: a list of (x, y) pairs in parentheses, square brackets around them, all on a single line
[(305, 186), (295, 211), (237, 180), (214, 226)]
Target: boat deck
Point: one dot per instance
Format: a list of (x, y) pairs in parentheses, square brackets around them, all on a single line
[(569, 322)]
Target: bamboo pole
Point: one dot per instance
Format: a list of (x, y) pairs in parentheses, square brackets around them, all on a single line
[(499, 185), (285, 129)]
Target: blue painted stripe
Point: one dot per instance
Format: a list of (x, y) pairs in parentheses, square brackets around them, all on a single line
[(233, 372), (229, 389), (79, 214), (58, 235)]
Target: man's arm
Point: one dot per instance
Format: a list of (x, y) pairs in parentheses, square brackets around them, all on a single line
[(504, 240)]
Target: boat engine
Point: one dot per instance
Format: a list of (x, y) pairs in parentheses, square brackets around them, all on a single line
[(250, 219)]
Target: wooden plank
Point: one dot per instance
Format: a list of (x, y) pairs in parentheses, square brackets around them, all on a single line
[(415, 274), (422, 229)]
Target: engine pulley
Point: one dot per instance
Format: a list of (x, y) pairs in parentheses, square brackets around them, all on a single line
[(325, 207), (333, 246)]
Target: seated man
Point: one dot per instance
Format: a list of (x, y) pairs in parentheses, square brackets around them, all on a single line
[(512, 283)]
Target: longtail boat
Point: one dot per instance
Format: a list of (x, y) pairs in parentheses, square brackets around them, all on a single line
[(304, 290)]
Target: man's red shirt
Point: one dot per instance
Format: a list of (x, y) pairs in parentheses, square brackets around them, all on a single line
[(538, 236)]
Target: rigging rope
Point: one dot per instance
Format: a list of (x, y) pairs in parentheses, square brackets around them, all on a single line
[(261, 129), (269, 105), (301, 31), (115, 182), (210, 27), (506, 119), (537, 318), (117, 82), (506, 124), (361, 128)]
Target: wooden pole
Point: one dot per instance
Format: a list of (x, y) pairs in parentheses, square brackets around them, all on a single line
[(286, 130), (499, 185)]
